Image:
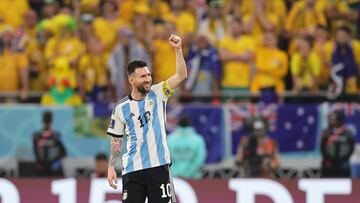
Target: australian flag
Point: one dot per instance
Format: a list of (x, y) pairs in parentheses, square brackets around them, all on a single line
[(238, 112), (297, 127), (294, 127), (208, 122)]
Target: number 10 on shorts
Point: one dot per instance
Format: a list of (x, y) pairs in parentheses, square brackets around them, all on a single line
[(166, 191)]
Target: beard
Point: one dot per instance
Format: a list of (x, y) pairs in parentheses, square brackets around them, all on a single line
[(142, 89)]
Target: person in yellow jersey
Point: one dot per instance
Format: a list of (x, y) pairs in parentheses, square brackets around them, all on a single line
[(12, 12), (303, 18), (237, 54), (34, 52), (305, 67), (158, 8), (93, 70), (107, 25), (344, 57), (337, 11), (271, 66), (163, 56), (64, 43), (142, 23), (184, 20), (263, 17), (13, 66), (321, 39), (215, 24)]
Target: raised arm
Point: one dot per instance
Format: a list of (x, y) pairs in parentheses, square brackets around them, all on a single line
[(181, 71), (115, 150)]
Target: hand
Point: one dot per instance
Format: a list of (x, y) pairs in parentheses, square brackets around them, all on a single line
[(112, 177), (175, 41)]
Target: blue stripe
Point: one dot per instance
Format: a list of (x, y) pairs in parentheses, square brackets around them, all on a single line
[(157, 130), (127, 116), (144, 149)]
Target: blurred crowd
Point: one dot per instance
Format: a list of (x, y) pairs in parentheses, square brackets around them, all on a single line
[(76, 51)]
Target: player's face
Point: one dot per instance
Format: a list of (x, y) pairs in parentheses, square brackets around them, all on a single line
[(141, 80)]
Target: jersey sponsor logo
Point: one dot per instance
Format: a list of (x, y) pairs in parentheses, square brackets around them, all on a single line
[(112, 124)]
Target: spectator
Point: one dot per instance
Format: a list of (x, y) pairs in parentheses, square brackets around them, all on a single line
[(127, 49), (33, 50), (101, 166), (344, 56), (158, 9), (48, 149), (163, 55), (337, 12), (107, 25), (184, 20), (303, 18), (257, 152), (12, 12), (204, 68), (14, 66), (64, 43), (301, 21), (337, 145), (271, 65), (321, 38), (237, 53), (187, 150), (214, 23), (305, 67), (263, 17), (93, 69)]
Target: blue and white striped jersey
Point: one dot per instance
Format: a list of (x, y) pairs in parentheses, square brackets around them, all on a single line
[(143, 122)]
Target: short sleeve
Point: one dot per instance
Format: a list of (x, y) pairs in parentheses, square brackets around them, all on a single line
[(163, 90), (116, 126)]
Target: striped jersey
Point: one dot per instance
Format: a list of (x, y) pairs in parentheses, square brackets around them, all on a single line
[(143, 122)]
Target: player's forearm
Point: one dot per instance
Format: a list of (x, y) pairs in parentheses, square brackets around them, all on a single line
[(115, 151), (181, 71)]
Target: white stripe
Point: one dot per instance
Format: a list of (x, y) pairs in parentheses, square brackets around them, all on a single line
[(154, 160), (163, 130), (134, 108), (125, 155)]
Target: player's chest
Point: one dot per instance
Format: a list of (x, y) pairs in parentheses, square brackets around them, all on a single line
[(142, 112)]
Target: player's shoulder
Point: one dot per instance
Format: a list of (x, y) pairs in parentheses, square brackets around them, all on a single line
[(157, 86), (122, 102)]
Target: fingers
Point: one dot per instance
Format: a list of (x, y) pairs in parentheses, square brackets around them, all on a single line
[(111, 182), (174, 38)]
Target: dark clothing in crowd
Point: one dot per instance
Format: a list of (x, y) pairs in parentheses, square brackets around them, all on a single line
[(49, 152), (337, 145)]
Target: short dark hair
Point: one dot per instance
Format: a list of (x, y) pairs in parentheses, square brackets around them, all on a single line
[(184, 121), (132, 66), (101, 157), (47, 117)]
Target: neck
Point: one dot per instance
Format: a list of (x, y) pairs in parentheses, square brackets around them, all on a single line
[(136, 95)]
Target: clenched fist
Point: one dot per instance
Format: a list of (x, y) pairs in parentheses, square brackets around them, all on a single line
[(175, 41)]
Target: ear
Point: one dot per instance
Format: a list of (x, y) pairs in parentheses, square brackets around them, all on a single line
[(130, 79)]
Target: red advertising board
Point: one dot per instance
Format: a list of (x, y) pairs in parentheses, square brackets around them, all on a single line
[(201, 191)]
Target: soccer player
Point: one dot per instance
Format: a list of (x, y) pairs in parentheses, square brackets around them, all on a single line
[(141, 118)]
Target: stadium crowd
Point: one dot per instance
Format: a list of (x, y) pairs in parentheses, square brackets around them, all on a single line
[(75, 52)]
